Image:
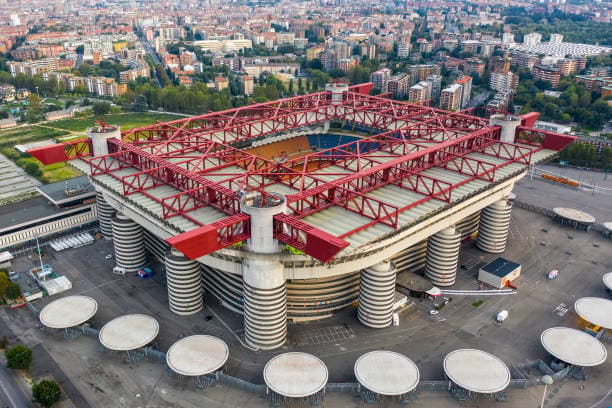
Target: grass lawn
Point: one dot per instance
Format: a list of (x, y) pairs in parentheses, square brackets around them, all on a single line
[(59, 172), (125, 120), (13, 136)]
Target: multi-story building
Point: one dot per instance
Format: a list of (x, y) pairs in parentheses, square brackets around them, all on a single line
[(132, 74), (450, 98), (248, 85), (466, 90), (595, 83), (422, 72), (503, 82), (547, 74), (313, 52), (398, 85), (31, 68), (420, 92), (532, 39), (556, 38), (507, 38), (345, 64), (475, 66), (403, 49), (221, 83), (436, 86), (380, 79), (368, 50), (568, 66)]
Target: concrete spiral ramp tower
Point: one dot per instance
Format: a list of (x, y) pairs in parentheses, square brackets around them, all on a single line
[(184, 279), (128, 240), (377, 294), (494, 226), (442, 257), (105, 215)]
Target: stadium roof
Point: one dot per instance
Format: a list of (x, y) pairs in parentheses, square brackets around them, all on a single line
[(190, 173)]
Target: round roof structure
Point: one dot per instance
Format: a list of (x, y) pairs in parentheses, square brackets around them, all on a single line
[(197, 355), (607, 280), (574, 346), (129, 332), (597, 311), (477, 371), (68, 312), (608, 225), (387, 372), (574, 215), (295, 374)]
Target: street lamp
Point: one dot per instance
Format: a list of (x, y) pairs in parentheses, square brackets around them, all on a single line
[(547, 380)]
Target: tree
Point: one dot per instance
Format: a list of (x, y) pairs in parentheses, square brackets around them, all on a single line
[(34, 102), (140, 103), (4, 282), (46, 393), (18, 357), (101, 108), (12, 291)]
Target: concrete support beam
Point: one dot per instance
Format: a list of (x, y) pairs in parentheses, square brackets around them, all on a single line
[(105, 214)]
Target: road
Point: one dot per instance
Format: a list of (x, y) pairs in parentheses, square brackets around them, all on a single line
[(152, 53), (10, 393)]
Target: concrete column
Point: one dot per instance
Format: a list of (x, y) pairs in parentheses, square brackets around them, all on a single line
[(128, 240), (185, 295), (377, 295), (263, 278), (443, 256), (494, 226), (105, 214)]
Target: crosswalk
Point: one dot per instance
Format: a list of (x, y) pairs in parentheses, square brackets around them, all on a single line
[(561, 310)]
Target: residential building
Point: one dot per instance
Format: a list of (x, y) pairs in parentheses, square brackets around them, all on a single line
[(248, 84), (221, 83), (380, 79), (466, 90), (503, 82), (532, 39), (547, 74), (398, 85), (450, 98), (436, 87), (556, 38), (420, 92)]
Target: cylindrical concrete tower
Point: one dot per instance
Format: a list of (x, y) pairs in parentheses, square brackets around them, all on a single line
[(508, 124), (494, 226), (184, 280), (99, 135), (337, 90), (263, 279), (442, 257), (105, 214), (128, 240), (377, 295)]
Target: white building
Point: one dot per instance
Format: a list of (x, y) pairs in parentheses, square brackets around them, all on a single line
[(532, 39), (556, 39)]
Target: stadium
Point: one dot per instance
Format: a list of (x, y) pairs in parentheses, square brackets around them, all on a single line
[(297, 208)]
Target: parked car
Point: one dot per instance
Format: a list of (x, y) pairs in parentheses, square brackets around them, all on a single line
[(433, 312)]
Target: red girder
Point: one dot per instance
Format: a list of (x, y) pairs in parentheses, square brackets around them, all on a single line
[(212, 237), (62, 151), (543, 138)]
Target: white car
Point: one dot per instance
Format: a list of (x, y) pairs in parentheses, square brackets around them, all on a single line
[(109, 256), (433, 312)]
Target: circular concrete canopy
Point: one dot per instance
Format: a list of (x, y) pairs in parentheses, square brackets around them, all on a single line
[(574, 215), (597, 311), (197, 355), (387, 372), (607, 280), (129, 332), (476, 371), (68, 312), (608, 225), (295, 374), (574, 346)]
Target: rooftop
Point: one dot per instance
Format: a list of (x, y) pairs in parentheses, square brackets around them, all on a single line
[(197, 355), (574, 346), (597, 311), (477, 371), (68, 191), (129, 332), (295, 374), (387, 372), (68, 312), (500, 267)]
